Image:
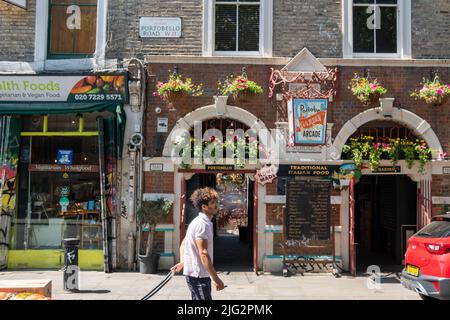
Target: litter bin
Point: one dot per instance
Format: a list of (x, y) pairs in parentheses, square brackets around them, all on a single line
[(71, 269)]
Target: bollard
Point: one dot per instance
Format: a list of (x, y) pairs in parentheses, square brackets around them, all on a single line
[(71, 269)]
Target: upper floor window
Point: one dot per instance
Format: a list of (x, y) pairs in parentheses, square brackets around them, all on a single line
[(375, 26), (72, 28), (379, 28), (238, 27), (237, 24)]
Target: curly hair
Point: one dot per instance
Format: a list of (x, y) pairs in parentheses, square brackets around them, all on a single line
[(203, 196)]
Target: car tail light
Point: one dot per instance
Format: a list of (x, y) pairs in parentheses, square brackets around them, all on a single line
[(437, 286), (438, 248)]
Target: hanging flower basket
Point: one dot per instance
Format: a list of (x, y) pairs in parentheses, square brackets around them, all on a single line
[(434, 93), (176, 90), (240, 88), (244, 96), (176, 97), (366, 91)]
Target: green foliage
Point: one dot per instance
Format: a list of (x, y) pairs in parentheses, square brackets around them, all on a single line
[(432, 92), (153, 212), (235, 85), (176, 84), (364, 148), (366, 91)]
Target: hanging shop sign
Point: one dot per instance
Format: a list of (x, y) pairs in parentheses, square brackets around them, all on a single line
[(163, 125), (307, 121), (266, 174), (62, 168), (19, 3), (65, 156), (78, 89), (307, 170), (160, 27)]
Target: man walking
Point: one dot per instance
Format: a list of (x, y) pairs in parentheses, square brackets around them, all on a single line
[(196, 249)]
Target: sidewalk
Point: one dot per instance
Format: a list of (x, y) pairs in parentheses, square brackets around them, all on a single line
[(240, 286)]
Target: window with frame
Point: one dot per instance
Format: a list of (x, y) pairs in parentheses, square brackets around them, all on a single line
[(237, 25), (375, 26), (72, 28)]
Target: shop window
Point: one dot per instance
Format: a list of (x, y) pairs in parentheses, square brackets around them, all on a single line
[(57, 201), (377, 28), (72, 28)]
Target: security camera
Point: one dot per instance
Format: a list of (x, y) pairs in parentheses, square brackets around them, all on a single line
[(158, 110), (136, 139)]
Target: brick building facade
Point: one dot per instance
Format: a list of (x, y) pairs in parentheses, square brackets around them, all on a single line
[(328, 29)]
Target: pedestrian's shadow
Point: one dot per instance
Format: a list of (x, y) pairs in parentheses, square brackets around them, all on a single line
[(92, 291)]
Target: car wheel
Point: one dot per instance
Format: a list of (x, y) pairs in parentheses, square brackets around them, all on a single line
[(425, 297)]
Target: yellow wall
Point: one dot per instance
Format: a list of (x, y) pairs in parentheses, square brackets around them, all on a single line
[(53, 259)]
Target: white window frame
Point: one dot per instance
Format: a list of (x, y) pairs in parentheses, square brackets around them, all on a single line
[(41, 40), (403, 33), (265, 31)]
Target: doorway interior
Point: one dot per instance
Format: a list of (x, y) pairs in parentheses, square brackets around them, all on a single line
[(385, 209), (233, 236)]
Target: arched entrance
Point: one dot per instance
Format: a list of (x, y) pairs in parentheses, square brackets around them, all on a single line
[(187, 180), (386, 207)]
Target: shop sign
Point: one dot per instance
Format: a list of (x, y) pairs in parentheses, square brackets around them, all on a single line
[(57, 88), (18, 3), (219, 167), (446, 170), (163, 124), (65, 156), (160, 27), (307, 121), (388, 169), (62, 168), (307, 170), (266, 174), (156, 167)]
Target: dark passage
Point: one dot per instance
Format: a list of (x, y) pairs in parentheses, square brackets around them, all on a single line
[(385, 208)]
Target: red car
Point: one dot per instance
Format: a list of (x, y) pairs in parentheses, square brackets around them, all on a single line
[(427, 260)]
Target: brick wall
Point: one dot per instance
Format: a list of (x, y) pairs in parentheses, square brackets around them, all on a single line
[(208, 75), (316, 25), (17, 32), (123, 29), (430, 23), (157, 182)]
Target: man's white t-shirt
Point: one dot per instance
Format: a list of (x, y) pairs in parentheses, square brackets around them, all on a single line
[(201, 228)]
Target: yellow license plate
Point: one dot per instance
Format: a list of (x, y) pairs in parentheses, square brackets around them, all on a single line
[(412, 270)]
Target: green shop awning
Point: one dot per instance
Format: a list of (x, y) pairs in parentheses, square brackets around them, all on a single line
[(65, 108)]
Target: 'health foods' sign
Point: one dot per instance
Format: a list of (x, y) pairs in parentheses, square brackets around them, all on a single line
[(79, 89)]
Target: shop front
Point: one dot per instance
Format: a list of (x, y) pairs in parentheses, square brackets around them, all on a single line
[(61, 139)]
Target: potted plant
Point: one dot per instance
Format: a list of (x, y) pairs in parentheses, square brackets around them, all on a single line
[(149, 214), (177, 88), (240, 87), (366, 91), (434, 93)]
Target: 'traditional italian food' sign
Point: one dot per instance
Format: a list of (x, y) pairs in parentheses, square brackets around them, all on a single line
[(307, 121), (78, 89)]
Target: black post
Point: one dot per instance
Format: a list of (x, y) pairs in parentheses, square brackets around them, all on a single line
[(71, 269)]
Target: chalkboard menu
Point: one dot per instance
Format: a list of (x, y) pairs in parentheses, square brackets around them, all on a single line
[(308, 210)]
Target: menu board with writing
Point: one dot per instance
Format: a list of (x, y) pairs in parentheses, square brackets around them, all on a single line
[(308, 210)]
